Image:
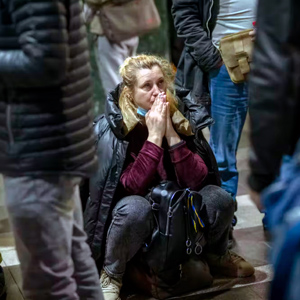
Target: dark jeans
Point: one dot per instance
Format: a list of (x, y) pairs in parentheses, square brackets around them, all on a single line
[(133, 223)]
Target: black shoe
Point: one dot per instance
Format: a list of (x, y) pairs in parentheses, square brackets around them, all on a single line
[(2, 285)]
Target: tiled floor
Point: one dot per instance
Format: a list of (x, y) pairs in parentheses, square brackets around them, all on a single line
[(251, 243)]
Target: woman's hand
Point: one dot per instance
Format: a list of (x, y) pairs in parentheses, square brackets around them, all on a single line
[(156, 121), (170, 134)]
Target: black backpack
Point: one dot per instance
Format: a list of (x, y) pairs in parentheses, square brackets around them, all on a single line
[(179, 228)]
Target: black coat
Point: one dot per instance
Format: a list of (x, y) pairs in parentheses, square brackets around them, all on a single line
[(274, 89), (194, 21), (105, 187), (45, 89)]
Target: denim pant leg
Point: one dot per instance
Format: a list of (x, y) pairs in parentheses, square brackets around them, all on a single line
[(217, 213), (131, 225), (41, 212), (109, 57), (228, 109)]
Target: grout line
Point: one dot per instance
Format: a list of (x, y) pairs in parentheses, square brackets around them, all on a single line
[(13, 278)]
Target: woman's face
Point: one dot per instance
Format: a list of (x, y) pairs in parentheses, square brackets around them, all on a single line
[(150, 82)]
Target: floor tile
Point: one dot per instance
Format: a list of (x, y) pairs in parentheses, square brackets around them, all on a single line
[(242, 190), (11, 261), (261, 289), (248, 216), (10, 257), (245, 200), (7, 242), (245, 293), (13, 290), (251, 244)]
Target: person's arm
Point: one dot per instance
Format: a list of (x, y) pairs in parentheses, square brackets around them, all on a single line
[(189, 26), (189, 167), (271, 92), (139, 174), (42, 33)]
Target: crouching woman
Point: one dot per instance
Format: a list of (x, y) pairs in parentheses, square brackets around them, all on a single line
[(142, 140)]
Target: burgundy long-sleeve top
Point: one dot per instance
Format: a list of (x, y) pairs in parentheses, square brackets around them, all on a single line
[(147, 164)]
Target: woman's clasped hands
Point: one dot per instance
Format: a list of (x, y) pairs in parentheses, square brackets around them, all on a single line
[(159, 122)]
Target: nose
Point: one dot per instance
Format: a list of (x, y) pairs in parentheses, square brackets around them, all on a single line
[(156, 90)]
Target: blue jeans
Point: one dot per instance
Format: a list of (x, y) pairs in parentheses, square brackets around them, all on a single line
[(228, 109), (46, 219)]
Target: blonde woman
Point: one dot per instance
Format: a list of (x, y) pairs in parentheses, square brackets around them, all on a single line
[(142, 140)]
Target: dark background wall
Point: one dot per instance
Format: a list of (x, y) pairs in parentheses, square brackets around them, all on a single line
[(157, 42)]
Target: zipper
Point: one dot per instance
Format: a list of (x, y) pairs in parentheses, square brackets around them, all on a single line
[(170, 211), (209, 17), (8, 124), (170, 215)]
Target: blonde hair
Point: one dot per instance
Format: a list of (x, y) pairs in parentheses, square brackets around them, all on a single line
[(128, 72)]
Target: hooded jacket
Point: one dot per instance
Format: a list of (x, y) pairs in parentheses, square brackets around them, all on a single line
[(45, 89), (105, 187), (194, 21)]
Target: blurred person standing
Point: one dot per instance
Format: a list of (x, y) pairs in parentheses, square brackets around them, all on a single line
[(47, 144), (274, 91), (200, 70), (109, 54)]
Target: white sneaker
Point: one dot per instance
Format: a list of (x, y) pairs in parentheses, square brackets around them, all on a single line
[(110, 286)]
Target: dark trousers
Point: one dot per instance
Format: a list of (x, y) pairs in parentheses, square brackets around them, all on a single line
[(46, 219), (133, 223)]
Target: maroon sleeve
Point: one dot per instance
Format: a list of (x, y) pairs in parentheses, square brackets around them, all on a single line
[(139, 174), (189, 167)]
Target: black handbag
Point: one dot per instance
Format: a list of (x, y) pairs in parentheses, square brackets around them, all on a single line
[(179, 228)]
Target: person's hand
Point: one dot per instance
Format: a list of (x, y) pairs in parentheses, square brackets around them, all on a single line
[(255, 197), (170, 134), (156, 121), (88, 13), (252, 33)]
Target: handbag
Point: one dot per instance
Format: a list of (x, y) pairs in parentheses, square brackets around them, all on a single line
[(179, 228), (236, 52), (123, 21)]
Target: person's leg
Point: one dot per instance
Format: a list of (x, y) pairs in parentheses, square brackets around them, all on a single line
[(228, 109), (217, 209), (110, 56), (85, 271), (217, 212), (41, 213), (132, 223)]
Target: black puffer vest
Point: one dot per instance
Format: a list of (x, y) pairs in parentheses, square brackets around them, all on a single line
[(45, 89)]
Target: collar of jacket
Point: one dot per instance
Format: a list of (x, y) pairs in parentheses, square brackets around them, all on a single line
[(194, 111), (113, 113)]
